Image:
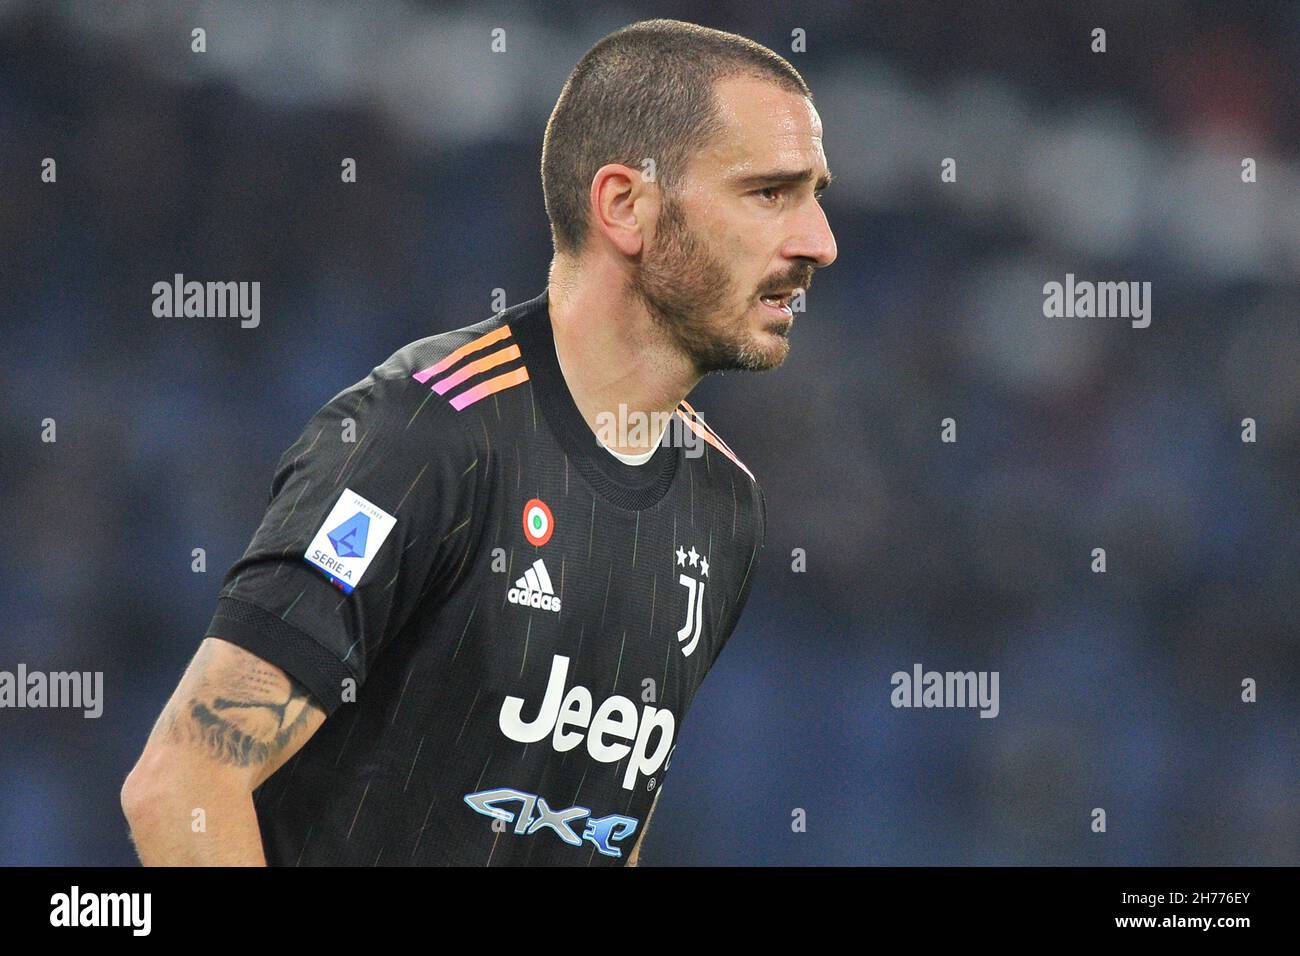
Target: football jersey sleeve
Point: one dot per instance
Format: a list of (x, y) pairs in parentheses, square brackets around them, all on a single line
[(370, 509)]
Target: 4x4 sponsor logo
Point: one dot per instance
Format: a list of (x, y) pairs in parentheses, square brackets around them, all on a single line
[(601, 831)]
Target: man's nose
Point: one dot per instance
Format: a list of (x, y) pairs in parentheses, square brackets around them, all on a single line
[(814, 239)]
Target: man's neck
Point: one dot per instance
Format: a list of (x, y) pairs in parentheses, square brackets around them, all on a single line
[(612, 353)]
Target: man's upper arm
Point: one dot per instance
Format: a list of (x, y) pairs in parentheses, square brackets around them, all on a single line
[(232, 714), (369, 511)]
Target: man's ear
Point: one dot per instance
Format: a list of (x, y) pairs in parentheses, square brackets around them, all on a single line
[(623, 206)]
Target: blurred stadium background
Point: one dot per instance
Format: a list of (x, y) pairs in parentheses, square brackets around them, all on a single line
[(1119, 691)]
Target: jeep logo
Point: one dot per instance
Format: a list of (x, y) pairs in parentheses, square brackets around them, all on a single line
[(568, 718)]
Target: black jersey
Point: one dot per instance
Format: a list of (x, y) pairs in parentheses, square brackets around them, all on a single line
[(504, 623)]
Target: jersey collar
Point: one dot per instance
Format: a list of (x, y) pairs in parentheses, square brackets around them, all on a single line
[(631, 487)]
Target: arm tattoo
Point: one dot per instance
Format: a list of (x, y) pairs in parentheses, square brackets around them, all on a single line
[(243, 716), (233, 739)]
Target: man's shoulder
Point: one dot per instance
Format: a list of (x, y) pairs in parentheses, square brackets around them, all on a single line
[(705, 432), (426, 365), (426, 377)]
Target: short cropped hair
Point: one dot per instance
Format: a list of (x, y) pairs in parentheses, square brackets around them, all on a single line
[(643, 92)]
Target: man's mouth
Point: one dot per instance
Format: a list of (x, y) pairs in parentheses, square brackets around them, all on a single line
[(778, 302)]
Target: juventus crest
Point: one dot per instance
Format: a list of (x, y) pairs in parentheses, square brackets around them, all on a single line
[(688, 635)]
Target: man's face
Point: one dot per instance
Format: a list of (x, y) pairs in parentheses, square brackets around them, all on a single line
[(747, 222)]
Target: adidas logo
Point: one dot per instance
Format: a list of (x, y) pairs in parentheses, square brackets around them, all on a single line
[(534, 589)]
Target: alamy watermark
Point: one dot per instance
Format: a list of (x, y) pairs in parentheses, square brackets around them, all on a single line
[(24, 688), (208, 300), (1103, 300), (130, 910), (627, 428), (923, 688)]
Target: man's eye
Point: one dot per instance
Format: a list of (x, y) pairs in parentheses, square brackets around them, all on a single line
[(774, 190)]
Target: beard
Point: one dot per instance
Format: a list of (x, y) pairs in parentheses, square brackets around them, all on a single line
[(689, 294)]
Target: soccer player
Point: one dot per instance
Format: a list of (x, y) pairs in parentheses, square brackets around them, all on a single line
[(474, 616)]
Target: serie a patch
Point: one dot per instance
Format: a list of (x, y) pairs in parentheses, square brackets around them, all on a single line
[(348, 541)]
